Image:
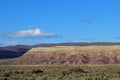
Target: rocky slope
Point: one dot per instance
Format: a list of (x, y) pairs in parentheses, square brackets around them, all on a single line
[(68, 55)]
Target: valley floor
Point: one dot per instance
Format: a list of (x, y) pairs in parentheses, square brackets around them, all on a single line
[(34, 72)]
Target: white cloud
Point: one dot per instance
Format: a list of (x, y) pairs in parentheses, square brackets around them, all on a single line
[(31, 34), (9, 43)]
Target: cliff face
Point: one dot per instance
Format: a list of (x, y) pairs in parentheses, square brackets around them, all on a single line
[(69, 56)]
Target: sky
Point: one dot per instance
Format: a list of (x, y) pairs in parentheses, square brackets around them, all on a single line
[(58, 21)]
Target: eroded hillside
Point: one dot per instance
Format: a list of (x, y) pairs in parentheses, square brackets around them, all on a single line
[(69, 55)]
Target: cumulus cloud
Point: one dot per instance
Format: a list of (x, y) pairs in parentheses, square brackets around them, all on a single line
[(31, 34)]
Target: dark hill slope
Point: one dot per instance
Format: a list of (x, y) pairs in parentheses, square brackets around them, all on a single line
[(13, 51)]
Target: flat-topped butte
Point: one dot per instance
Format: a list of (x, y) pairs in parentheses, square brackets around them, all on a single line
[(75, 49)]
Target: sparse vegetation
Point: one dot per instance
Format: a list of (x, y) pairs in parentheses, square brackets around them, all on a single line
[(59, 73)]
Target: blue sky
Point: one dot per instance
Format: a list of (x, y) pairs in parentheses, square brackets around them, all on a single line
[(55, 21)]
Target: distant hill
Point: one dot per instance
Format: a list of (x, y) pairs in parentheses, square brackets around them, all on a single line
[(76, 44), (19, 50)]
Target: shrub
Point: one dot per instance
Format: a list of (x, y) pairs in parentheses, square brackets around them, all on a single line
[(37, 71), (77, 70), (64, 73)]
